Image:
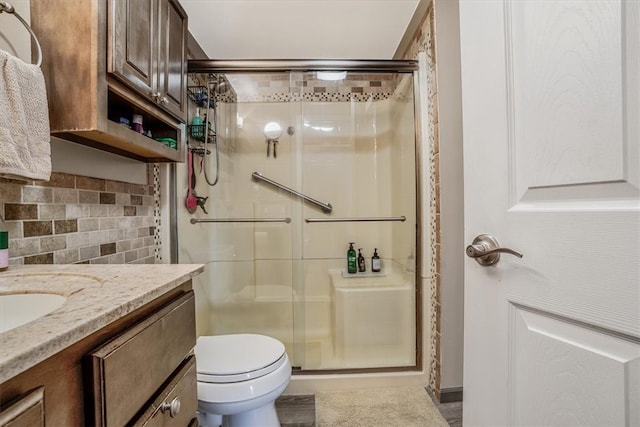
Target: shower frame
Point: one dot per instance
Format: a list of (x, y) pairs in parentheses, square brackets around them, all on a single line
[(309, 65)]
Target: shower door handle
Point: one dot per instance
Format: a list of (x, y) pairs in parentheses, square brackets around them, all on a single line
[(486, 250)]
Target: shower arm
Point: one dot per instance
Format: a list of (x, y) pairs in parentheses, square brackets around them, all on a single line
[(326, 207)]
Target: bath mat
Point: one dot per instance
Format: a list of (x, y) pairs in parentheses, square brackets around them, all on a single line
[(395, 406)]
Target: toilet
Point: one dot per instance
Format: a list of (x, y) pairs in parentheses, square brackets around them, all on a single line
[(239, 378)]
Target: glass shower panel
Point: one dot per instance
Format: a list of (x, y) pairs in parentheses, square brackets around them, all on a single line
[(249, 277), (358, 153)]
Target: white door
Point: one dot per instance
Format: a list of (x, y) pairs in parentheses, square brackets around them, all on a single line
[(551, 112)]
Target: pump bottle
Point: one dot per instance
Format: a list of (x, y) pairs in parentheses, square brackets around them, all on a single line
[(351, 259), (361, 265), (375, 261)]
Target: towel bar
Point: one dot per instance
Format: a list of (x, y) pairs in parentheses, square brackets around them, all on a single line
[(360, 219), (197, 221), (8, 8)]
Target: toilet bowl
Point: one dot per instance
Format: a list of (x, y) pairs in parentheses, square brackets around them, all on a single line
[(239, 378)]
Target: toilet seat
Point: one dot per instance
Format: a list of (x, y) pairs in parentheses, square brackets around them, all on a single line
[(237, 357)]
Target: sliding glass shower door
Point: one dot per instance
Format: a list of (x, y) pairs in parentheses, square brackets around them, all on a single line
[(358, 154), (306, 166)]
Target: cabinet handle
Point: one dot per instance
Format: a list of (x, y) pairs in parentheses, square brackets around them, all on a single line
[(173, 407)]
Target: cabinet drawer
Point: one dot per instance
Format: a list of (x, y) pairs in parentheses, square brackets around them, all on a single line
[(28, 411), (183, 389), (128, 371)]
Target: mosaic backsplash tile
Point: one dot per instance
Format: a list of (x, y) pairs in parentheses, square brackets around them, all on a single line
[(265, 87), (79, 219)]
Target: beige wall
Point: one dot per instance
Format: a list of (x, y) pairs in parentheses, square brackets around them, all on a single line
[(451, 191)]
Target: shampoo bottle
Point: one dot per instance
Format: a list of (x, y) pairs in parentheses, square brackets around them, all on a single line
[(361, 265), (375, 261), (4, 245), (351, 260)]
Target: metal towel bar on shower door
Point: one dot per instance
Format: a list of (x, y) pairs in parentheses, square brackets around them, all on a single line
[(196, 221), (326, 207), (360, 219)]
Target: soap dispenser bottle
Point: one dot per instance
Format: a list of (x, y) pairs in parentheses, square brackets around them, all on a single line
[(375, 261), (361, 265), (351, 259), (4, 245)]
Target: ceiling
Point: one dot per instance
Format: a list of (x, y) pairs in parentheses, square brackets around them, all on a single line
[(299, 29)]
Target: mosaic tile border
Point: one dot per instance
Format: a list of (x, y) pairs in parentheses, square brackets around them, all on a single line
[(424, 41), (157, 241), (278, 87)]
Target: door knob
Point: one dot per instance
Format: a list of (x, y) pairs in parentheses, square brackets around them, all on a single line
[(486, 250)]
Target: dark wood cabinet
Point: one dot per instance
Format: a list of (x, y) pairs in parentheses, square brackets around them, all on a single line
[(127, 373), (132, 44), (108, 60), (172, 58), (147, 50)]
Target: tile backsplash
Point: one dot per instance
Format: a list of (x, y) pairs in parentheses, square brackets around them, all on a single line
[(79, 219)]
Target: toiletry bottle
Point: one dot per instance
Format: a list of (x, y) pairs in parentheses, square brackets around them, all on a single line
[(351, 260), (196, 125), (4, 245), (137, 123), (375, 261), (361, 265)]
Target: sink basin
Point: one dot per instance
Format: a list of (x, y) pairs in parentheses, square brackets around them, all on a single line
[(19, 309)]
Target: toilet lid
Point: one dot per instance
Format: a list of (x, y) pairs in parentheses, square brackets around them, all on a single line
[(237, 357)]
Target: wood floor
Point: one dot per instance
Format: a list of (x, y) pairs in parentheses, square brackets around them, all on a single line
[(297, 411), (300, 411)]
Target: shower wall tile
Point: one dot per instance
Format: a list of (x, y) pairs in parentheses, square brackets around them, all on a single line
[(62, 221)]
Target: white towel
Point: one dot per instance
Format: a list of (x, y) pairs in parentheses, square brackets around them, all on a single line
[(25, 142)]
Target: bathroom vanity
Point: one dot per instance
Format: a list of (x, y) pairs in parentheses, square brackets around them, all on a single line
[(117, 351)]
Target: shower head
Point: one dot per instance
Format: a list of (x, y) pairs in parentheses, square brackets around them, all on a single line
[(218, 84)]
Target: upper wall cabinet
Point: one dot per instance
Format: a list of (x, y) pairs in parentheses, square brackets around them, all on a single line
[(147, 50), (106, 61)]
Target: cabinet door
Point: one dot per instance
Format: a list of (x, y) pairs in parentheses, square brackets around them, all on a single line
[(132, 44), (172, 73)]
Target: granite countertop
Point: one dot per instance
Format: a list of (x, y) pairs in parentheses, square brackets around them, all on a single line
[(96, 296)]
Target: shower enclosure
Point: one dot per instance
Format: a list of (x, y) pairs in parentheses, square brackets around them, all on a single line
[(296, 161)]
